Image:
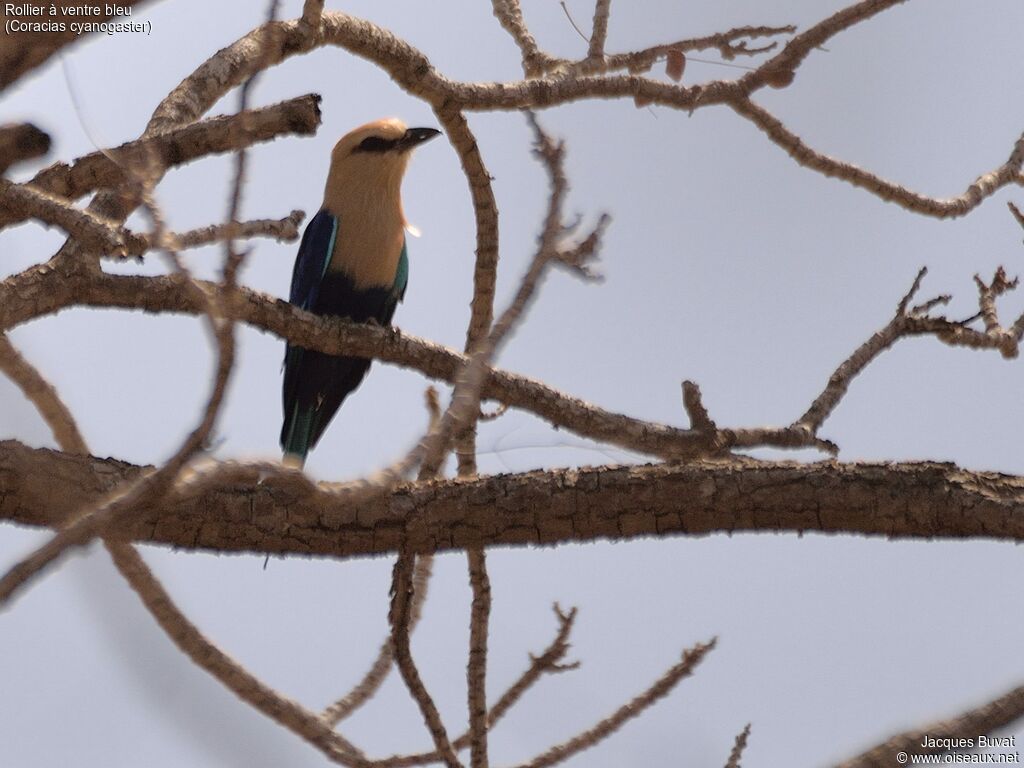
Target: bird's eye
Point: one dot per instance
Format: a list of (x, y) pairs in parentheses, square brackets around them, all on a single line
[(374, 144)]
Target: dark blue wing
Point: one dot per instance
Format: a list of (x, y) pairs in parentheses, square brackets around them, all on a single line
[(312, 259), (315, 384)]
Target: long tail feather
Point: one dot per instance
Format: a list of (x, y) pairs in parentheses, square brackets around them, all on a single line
[(295, 441)]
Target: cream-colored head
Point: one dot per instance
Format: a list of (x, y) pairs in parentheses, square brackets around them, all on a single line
[(364, 191), (370, 161)]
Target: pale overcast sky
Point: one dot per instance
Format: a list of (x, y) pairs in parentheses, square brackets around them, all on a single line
[(726, 263)]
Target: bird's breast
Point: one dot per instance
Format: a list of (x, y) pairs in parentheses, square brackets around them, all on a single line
[(367, 248)]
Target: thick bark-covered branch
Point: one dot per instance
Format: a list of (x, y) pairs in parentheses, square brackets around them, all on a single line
[(91, 231), (907, 500), (300, 116), (45, 289)]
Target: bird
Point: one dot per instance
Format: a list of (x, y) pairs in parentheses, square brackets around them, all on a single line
[(352, 263)]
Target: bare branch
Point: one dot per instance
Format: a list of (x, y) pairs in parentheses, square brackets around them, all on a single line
[(410, 69), (283, 230), (984, 187), (249, 508), (45, 398), (1016, 213), (378, 672), (913, 322), (602, 9), (476, 671), (637, 706), (95, 234), (510, 16), (547, 663), (729, 45), (700, 420), (312, 10), (106, 169), (206, 655), (399, 616), (737, 750), (796, 50), (44, 290), (150, 488), (19, 142), (485, 207), (133, 568), (34, 294), (465, 403), (991, 716)]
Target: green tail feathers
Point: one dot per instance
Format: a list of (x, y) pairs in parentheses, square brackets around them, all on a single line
[(296, 442)]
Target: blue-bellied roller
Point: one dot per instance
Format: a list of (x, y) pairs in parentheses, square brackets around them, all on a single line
[(352, 263)]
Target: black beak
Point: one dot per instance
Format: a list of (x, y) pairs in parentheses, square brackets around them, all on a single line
[(416, 136)]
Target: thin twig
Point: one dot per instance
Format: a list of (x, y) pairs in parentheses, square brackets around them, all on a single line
[(378, 671), (283, 230), (476, 670), (399, 617), (602, 9), (45, 398), (549, 662), (738, 747), (634, 708), (976, 193), (204, 654)]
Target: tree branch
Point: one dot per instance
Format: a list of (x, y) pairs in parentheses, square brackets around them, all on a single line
[(976, 193), (738, 747), (989, 717), (45, 398), (94, 233), (106, 169), (476, 669), (399, 617), (378, 671), (252, 510), (602, 730), (209, 657), (19, 142), (548, 662)]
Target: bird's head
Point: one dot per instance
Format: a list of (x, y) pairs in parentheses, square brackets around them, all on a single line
[(374, 157)]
